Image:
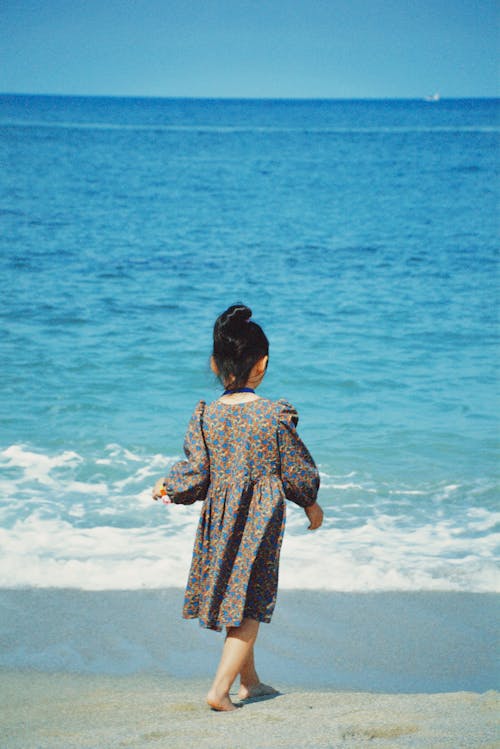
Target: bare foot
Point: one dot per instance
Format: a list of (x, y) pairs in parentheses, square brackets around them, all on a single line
[(256, 690), (219, 701)]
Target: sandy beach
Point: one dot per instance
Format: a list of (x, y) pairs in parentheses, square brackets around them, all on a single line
[(122, 669), (65, 711)]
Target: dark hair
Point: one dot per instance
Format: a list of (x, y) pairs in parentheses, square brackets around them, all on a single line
[(239, 343)]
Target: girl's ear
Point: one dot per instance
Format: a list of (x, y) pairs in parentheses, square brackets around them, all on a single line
[(214, 367), (261, 366)]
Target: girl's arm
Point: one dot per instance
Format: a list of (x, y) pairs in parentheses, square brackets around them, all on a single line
[(298, 470), (188, 480)]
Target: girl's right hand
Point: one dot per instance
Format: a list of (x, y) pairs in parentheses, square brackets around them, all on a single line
[(315, 515), (160, 493)]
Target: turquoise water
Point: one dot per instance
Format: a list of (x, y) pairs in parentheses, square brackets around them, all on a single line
[(363, 235)]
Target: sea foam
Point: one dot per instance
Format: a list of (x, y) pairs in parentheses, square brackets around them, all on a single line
[(89, 522)]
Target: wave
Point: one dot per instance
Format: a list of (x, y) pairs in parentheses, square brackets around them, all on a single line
[(376, 556), (239, 129), (69, 521)]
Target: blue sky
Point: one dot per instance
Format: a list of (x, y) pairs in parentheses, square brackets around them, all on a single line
[(250, 48)]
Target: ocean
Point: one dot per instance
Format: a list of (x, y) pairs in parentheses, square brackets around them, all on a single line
[(363, 235)]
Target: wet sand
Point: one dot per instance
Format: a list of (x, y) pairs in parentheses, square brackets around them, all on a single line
[(122, 669), (380, 642)]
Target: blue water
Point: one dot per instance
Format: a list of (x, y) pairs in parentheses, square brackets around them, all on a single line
[(364, 236)]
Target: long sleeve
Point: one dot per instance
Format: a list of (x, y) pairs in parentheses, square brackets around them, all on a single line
[(188, 480), (299, 474)]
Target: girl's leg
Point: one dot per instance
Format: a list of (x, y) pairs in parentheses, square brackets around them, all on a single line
[(250, 684), (237, 649), (248, 676)]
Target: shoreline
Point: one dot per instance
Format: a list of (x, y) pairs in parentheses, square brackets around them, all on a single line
[(386, 642), (118, 669)]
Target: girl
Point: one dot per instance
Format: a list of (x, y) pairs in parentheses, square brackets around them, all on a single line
[(243, 459)]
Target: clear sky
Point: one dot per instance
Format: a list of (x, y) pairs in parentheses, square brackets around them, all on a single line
[(251, 48)]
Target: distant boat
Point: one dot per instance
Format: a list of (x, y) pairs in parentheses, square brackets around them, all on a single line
[(433, 97)]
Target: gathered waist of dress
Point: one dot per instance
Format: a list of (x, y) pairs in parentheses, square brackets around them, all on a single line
[(223, 479)]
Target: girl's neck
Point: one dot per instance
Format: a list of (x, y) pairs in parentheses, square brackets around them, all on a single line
[(239, 395), (232, 391)]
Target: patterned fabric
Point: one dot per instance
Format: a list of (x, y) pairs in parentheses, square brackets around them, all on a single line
[(242, 460)]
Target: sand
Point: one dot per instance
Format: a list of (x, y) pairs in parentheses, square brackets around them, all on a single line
[(377, 642), (122, 669), (65, 711)]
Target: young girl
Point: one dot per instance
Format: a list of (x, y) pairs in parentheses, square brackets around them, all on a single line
[(243, 459)]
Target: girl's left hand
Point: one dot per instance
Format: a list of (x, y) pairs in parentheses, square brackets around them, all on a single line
[(315, 515), (160, 493)]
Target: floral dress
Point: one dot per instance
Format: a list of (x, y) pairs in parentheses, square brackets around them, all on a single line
[(242, 460)]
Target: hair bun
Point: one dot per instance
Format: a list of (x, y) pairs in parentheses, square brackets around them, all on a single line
[(239, 343), (235, 316)]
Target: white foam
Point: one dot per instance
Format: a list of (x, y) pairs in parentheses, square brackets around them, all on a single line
[(409, 492), (45, 552), (237, 129), (379, 555), (90, 523), (36, 466), (482, 520)]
